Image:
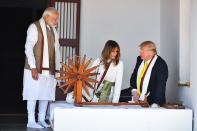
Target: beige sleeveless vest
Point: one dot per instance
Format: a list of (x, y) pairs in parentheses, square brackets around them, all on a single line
[(38, 50)]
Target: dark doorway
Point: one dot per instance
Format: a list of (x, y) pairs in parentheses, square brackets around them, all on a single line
[(16, 16)]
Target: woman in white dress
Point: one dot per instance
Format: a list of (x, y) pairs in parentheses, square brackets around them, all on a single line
[(110, 72), (109, 86)]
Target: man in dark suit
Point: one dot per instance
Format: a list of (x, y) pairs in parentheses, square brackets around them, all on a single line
[(149, 77)]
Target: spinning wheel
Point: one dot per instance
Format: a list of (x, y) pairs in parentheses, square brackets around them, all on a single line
[(77, 76)]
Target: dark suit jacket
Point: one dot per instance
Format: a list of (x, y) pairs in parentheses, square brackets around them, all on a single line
[(157, 83)]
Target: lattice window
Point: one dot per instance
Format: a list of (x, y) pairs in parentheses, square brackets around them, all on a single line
[(69, 30), (68, 27)]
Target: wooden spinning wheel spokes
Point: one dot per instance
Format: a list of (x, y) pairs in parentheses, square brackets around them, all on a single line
[(77, 76)]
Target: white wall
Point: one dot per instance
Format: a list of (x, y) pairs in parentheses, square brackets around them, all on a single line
[(184, 50), (189, 95), (170, 47), (129, 22), (170, 44)]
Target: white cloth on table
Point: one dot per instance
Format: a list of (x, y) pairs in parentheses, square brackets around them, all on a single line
[(52, 106), (65, 105)]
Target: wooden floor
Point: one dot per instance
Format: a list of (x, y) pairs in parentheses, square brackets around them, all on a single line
[(16, 123)]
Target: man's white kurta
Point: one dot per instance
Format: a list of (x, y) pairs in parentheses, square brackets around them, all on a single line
[(44, 87)]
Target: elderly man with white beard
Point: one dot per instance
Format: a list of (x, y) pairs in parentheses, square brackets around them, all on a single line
[(41, 66)]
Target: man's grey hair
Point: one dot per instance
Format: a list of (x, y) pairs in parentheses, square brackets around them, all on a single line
[(48, 11)]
